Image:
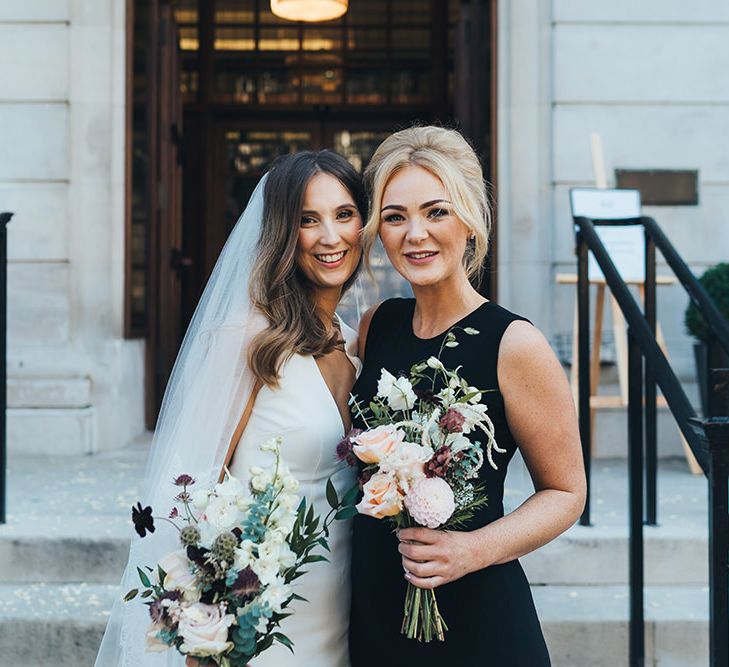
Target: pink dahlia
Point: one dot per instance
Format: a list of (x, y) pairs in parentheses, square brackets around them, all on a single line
[(430, 501)]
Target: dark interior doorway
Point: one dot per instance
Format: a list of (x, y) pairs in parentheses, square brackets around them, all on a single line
[(253, 86)]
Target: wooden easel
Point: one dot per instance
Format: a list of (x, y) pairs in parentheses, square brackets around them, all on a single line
[(620, 400)]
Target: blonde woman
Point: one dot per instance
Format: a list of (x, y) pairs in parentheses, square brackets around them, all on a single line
[(430, 209)]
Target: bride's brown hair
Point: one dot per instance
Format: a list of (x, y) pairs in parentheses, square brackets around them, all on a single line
[(278, 288)]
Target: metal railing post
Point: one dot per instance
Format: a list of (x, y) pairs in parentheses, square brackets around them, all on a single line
[(4, 219), (635, 497), (717, 434), (583, 365), (651, 436)]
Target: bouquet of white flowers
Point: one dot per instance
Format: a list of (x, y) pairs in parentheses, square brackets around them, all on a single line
[(418, 465), (222, 596)]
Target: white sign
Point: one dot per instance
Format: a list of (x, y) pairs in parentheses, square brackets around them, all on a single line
[(625, 244)]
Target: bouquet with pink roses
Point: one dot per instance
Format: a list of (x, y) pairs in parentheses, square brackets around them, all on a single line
[(223, 595), (417, 465)]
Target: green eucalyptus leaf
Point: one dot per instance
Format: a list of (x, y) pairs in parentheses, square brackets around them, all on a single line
[(143, 577), (346, 513), (131, 594)]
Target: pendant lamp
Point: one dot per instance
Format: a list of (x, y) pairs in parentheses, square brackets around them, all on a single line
[(309, 10)]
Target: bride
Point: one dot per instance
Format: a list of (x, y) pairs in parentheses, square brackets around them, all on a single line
[(265, 354)]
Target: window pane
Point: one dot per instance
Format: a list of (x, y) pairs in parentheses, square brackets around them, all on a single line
[(189, 38), (367, 43), (234, 11), (266, 16), (366, 87), (358, 146), (232, 86), (278, 87), (413, 42), (234, 39), (367, 13), (279, 39), (322, 86), (411, 11), (186, 11), (319, 39), (189, 81), (249, 154), (410, 87)]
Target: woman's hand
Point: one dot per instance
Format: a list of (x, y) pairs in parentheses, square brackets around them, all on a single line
[(432, 558)]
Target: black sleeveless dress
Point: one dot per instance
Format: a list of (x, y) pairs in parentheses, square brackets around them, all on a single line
[(490, 614)]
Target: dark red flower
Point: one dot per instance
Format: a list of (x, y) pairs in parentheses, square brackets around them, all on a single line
[(439, 462), (142, 518), (183, 497), (174, 513), (183, 480), (344, 451), (452, 421), (158, 611), (427, 396)]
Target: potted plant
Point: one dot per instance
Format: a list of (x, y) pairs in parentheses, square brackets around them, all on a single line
[(708, 353)]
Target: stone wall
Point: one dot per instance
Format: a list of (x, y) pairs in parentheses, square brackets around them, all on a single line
[(652, 78), (75, 385)]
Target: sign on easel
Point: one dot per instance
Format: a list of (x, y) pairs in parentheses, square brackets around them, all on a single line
[(625, 244)]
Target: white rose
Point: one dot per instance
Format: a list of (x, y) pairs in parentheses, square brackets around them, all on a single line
[(152, 643), (221, 514), (385, 384), (204, 630), (402, 396), (178, 575)]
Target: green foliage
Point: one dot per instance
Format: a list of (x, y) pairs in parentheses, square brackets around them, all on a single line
[(716, 283)]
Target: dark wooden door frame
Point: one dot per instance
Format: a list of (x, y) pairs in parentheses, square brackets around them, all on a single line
[(164, 120)]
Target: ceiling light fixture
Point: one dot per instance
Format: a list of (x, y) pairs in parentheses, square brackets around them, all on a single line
[(309, 10)]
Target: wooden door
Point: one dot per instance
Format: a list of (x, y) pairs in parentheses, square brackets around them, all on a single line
[(164, 117)]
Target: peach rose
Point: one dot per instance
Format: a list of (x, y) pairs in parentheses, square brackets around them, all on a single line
[(372, 445), (204, 630), (381, 497)]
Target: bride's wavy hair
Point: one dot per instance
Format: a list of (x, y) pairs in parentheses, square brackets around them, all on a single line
[(278, 288)]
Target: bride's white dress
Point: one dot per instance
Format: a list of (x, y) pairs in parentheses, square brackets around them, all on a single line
[(304, 413)]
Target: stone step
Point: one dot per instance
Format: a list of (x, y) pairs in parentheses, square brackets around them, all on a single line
[(57, 625), (589, 627), (582, 556), (599, 555), (52, 625)]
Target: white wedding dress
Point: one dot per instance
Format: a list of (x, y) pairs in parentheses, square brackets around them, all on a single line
[(303, 412)]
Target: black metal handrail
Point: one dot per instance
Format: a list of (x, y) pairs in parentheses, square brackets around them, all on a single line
[(718, 325), (708, 439), (4, 219)]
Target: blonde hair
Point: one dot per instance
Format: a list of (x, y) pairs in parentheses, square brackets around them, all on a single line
[(447, 155)]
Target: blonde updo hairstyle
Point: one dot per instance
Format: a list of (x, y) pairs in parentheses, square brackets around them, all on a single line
[(447, 155)]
